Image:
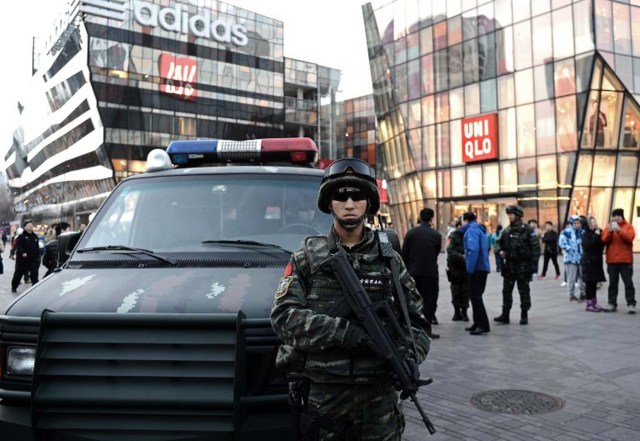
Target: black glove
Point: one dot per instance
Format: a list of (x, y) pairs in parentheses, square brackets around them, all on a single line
[(414, 374), (356, 339)]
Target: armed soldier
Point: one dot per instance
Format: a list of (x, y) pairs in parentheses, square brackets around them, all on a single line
[(520, 248), (457, 274), (352, 390)]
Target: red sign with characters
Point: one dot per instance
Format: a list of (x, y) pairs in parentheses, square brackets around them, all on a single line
[(178, 76), (480, 138)]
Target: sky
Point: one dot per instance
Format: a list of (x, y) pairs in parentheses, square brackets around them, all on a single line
[(327, 32)]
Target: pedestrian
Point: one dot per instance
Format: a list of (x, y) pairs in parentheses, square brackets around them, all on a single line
[(477, 266), (550, 242), (533, 223), (571, 244), (457, 274), (14, 243), (1, 263), (51, 234), (50, 258), (5, 239), (420, 250), (494, 238), (27, 257), (591, 263), (351, 393), (520, 248), (618, 237)]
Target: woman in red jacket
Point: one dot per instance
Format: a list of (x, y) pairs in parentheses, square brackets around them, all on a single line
[(618, 237)]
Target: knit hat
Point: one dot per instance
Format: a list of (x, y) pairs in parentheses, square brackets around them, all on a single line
[(618, 212)]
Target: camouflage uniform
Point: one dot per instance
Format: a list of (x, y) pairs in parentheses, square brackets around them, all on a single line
[(351, 386), (456, 271), (522, 249)]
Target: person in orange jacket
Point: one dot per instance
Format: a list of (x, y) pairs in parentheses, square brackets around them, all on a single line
[(618, 237)]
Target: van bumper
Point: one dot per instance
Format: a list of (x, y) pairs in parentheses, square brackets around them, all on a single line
[(15, 423)]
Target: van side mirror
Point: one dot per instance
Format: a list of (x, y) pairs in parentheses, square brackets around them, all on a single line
[(66, 243)]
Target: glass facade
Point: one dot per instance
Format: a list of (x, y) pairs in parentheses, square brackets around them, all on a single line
[(561, 78), (152, 72)]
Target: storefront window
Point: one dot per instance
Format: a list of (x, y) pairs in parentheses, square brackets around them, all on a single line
[(526, 131), (542, 44), (545, 127), (621, 31), (626, 170), (564, 76), (472, 100), (524, 86), (566, 163), (458, 181), (527, 174), (580, 201), (566, 123), (455, 66), (600, 204), (548, 178), (583, 174), (456, 103), (504, 45), (444, 183), (429, 184), (583, 72), (474, 180), (547, 207), (603, 170), (608, 123), (506, 96), (603, 32), (508, 139), (631, 131), (426, 68), (456, 142), (522, 44), (508, 176)]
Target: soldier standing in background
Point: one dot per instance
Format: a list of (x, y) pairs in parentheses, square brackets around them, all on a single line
[(457, 274), (520, 248), (351, 390)]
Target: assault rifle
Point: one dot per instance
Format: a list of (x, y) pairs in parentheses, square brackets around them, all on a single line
[(369, 314)]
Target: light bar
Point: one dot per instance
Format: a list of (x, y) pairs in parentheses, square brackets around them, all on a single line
[(192, 153)]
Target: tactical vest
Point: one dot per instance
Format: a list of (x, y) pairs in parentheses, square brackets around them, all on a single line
[(517, 242)]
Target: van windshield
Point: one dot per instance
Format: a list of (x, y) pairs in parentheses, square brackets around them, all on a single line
[(191, 213)]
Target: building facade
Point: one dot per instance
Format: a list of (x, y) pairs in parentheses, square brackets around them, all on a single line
[(482, 104), (120, 78)]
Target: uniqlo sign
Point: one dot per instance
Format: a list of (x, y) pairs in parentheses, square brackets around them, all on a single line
[(480, 138), (178, 75)]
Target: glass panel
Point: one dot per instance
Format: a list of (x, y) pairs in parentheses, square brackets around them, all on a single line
[(470, 27), (456, 142), (455, 66), (413, 78), (600, 204), (508, 176), (547, 207), (631, 129), (539, 7), (604, 37), (548, 178), (416, 148), (584, 64), (413, 46), (491, 178), (621, 31), (474, 177), (542, 45), (563, 33), (455, 30), (526, 131), (428, 113), (440, 68), (458, 181), (440, 35), (506, 96), (471, 60), (635, 31), (488, 96), (454, 7), (564, 77), (610, 82), (582, 26), (609, 119), (566, 166), (588, 136), (442, 140), (487, 51), (472, 99), (636, 75), (627, 170), (426, 68), (543, 79), (524, 86), (429, 184), (503, 13), (487, 23), (622, 198), (442, 107), (456, 103), (429, 140), (583, 174), (426, 40), (444, 183), (603, 170), (508, 145), (566, 123), (522, 41), (545, 127), (414, 114), (527, 174), (579, 204), (624, 70), (521, 10), (504, 48)]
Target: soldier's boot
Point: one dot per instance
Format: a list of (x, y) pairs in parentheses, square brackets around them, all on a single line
[(463, 313), (524, 317), (504, 318), (457, 316)]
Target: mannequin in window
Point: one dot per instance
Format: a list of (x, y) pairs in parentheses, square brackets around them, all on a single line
[(599, 126)]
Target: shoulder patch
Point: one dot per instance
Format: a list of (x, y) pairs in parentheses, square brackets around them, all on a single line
[(283, 287)]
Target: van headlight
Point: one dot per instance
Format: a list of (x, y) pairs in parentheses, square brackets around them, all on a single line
[(20, 360)]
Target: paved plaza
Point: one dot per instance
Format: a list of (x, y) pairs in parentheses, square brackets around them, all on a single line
[(589, 361)]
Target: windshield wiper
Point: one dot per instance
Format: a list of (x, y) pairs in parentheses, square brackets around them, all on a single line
[(250, 243), (128, 250)]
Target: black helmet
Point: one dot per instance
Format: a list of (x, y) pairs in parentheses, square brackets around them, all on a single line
[(515, 209), (349, 172)]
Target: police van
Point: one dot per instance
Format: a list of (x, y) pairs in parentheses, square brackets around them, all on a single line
[(156, 327)]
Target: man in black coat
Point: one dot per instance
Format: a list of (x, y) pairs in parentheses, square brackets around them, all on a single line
[(420, 251), (550, 241), (27, 256)]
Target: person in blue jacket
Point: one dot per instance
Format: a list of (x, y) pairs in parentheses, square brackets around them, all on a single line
[(477, 259)]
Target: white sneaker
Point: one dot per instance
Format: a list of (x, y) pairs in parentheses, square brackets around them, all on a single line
[(631, 309), (563, 284), (577, 285)]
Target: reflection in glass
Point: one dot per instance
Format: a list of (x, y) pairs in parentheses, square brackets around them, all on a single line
[(608, 122), (506, 95), (566, 123), (621, 31), (474, 180), (603, 32), (455, 66), (602, 170), (522, 42), (545, 127), (600, 204), (472, 99), (631, 130), (455, 129), (542, 45), (583, 174), (491, 174), (564, 77), (488, 96), (527, 174), (626, 170), (458, 181), (562, 33), (526, 131), (504, 48), (524, 86), (507, 128), (623, 198), (456, 103), (508, 176), (548, 178)]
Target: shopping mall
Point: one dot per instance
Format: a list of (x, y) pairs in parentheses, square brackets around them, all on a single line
[(482, 104), (117, 79)]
